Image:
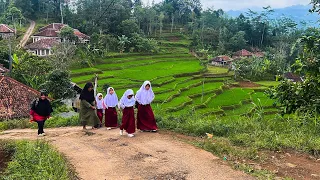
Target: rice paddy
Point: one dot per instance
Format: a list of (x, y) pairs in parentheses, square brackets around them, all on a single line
[(179, 81)]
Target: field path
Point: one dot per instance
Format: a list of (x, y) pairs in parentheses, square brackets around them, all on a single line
[(26, 36), (103, 154)]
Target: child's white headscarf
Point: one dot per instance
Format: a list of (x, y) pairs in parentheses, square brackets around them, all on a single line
[(125, 102), (111, 100), (144, 96), (99, 102)]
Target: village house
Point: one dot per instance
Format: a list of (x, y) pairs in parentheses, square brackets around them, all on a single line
[(42, 47), (6, 31), (52, 31), (292, 77), (48, 36), (243, 53), (221, 61), (15, 98)]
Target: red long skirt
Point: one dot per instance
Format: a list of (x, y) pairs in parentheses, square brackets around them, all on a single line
[(111, 117), (100, 114), (145, 118), (128, 121)]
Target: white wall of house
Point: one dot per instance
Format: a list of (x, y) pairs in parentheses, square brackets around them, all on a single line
[(41, 52), (6, 35), (37, 38)]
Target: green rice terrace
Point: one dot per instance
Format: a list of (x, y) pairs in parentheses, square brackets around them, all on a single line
[(179, 81)]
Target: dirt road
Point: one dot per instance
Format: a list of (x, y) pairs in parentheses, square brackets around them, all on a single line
[(26, 36), (103, 154)]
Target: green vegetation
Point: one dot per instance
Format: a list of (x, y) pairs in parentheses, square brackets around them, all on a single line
[(268, 83), (35, 160), (55, 121), (217, 70), (258, 131)]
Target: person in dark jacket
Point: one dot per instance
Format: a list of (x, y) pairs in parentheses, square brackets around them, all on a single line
[(40, 111)]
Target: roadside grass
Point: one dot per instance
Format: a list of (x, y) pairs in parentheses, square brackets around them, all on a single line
[(36, 160), (258, 131), (54, 122)]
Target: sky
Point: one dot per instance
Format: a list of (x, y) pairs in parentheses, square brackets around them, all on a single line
[(246, 4)]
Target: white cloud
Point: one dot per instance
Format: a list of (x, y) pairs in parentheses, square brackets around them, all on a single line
[(245, 4)]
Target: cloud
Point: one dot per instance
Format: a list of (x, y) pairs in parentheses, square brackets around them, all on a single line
[(245, 4)]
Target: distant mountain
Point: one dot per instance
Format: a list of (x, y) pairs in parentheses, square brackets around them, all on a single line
[(299, 13)]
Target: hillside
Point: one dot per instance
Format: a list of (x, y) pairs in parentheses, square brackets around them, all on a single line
[(299, 13), (179, 81)]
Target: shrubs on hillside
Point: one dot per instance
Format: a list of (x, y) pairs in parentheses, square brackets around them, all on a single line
[(141, 44)]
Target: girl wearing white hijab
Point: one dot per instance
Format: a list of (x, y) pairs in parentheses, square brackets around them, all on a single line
[(127, 103), (111, 116), (145, 117), (100, 107)]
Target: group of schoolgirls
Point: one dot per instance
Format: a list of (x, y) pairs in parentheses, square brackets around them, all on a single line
[(91, 109)]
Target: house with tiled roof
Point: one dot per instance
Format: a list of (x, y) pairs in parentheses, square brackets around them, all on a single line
[(52, 31), (55, 26), (6, 31), (48, 36), (292, 77), (243, 53), (258, 54), (83, 38), (3, 70), (42, 47), (221, 61), (15, 98)]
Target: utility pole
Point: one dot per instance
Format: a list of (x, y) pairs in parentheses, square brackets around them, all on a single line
[(10, 57), (95, 85), (61, 12)]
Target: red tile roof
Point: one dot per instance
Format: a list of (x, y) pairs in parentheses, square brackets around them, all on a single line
[(43, 44), (221, 58), (55, 26), (80, 35), (48, 33), (6, 29), (15, 98), (259, 54), (243, 53)]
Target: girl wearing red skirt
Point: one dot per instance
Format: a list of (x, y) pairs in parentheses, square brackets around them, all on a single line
[(100, 107), (111, 116), (127, 103), (145, 117)]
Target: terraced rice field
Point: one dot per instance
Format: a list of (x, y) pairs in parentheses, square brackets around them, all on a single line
[(179, 81)]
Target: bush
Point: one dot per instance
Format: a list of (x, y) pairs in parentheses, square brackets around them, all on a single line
[(37, 160), (145, 45), (59, 85)]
